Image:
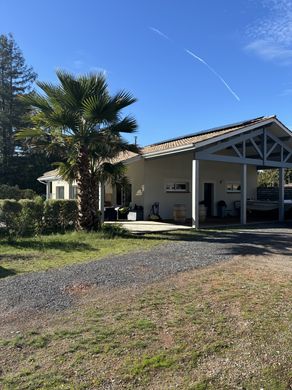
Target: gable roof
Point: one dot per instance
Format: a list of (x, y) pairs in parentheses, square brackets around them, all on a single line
[(188, 142), (204, 135)]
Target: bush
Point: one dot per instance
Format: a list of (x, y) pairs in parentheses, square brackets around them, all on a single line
[(113, 230), (68, 214), (10, 211), (31, 216), (14, 192), (60, 215)]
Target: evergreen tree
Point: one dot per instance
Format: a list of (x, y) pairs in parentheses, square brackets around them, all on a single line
[(16, 79)]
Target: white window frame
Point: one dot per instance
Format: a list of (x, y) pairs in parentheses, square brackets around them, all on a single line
[(58, 194), (232, 184), (173, 186), (71, 187)]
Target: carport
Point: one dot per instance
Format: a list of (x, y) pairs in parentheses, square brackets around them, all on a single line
[(266, 144)]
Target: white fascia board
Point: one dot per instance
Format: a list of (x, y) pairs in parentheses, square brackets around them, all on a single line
[(283, 127), (216, 139), (48, 178), (178, 149), (132, 160), (235, 132)]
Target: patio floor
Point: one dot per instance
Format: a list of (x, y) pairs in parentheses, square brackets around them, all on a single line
[(149, 226)]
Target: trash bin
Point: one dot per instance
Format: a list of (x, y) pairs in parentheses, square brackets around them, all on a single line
[(221, 206)]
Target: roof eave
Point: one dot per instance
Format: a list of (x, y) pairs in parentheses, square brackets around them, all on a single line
[(166, 152)]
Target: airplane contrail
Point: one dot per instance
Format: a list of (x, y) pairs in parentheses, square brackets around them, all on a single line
[(159, 32), (201, 60), (214, 72)]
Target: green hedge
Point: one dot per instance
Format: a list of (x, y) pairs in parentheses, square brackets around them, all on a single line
[(28, 217), (14, 192), (60, 215)]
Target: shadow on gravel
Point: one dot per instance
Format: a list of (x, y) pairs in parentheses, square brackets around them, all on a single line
[(255, 242), (4, 272)]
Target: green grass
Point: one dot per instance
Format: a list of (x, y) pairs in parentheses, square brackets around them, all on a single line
[(223, 327), (57, 250)]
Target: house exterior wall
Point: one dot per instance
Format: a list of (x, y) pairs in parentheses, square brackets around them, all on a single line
[(178, 168), (222, 174), (149, 179), (163, 170), (135, 173), (60, 183)]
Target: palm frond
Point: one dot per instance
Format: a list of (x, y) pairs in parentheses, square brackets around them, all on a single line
[(126, 125), (123, 99)]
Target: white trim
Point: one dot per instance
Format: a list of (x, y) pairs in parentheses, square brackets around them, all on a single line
[(281, 194), (165, 152), (233, 133), (195, 193), (243, 194)]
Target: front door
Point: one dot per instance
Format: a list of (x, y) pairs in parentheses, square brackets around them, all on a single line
[(209, 197)]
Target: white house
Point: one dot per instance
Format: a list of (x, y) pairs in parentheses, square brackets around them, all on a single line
[(219, 164)]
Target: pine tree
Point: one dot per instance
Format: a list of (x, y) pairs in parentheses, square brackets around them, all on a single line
[(16, 79)]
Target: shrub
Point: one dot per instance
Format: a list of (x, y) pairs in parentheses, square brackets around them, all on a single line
[(10, 211), (51, 216), (14, 192), (31, 216), (68, 214), (60, 215), (113, 230)]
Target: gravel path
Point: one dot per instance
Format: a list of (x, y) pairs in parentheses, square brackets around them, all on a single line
[(50, 290)]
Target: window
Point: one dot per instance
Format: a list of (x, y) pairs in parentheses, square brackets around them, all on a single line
[(177, 187), (59, 192), (124, 194), (72, 192), (233, 187)]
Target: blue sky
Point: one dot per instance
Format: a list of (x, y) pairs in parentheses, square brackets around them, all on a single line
[(238, 65)]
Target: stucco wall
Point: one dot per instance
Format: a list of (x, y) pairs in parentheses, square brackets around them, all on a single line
[(177, 168), (149, 178), (160, 171), (57, 183), (135, 173), (223, 173)]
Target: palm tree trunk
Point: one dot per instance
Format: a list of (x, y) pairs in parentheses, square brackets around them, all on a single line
[(88, 212)]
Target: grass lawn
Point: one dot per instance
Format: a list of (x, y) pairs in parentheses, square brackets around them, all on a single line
[(222, 327), (57, 250)]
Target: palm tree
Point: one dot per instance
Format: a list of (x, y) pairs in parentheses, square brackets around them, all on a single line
[(79, 118)]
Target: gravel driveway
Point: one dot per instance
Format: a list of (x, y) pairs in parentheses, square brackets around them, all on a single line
[(50, 290)]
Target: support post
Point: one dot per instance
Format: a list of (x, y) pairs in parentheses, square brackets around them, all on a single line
[(101, 201), (281, 194), (243, 194), (47, 190), (195, 194)]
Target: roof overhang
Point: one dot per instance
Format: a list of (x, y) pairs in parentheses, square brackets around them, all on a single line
[(215, 139)]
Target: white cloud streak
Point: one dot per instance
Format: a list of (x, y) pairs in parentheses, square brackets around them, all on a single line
[(271, 35), (214, 72), (202, 61), (159, 33)]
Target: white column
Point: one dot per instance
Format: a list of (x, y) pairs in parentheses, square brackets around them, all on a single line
[(195, 194), (47, 190), (101, 200), (281, 194), (243, 194)]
